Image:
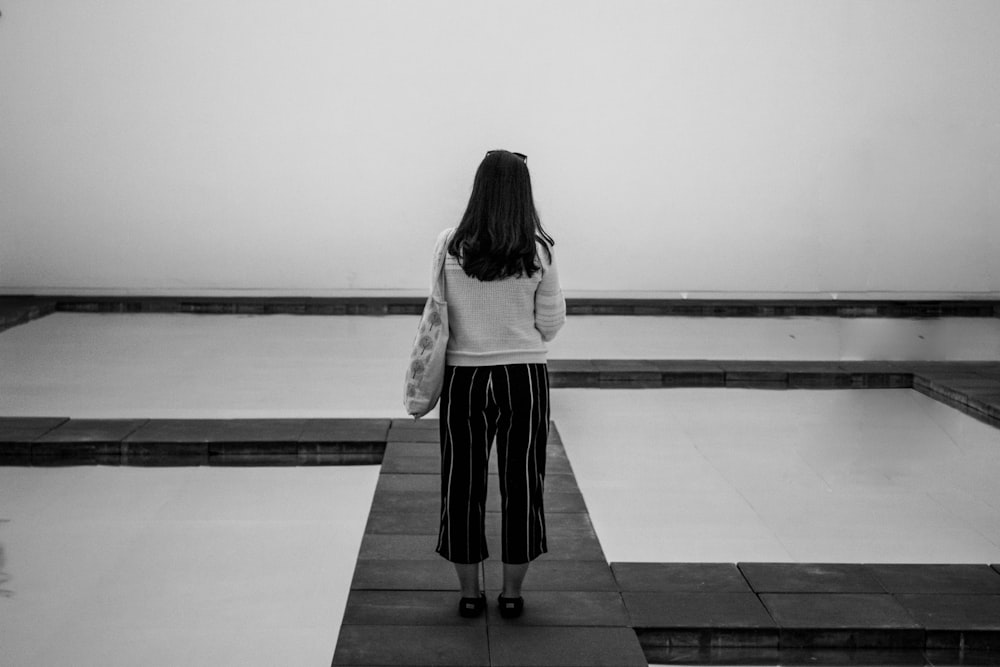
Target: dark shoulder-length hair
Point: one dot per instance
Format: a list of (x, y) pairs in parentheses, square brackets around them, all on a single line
[(499, 231)]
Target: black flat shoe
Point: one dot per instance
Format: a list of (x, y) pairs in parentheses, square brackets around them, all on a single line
[(472, 607), (510, 607)]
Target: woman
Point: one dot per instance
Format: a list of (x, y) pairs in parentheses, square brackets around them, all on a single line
[(504, 302)]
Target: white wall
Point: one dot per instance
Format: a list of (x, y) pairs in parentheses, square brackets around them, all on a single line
[(306, 146)]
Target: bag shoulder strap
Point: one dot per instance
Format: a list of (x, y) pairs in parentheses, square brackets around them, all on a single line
[(440, 258)]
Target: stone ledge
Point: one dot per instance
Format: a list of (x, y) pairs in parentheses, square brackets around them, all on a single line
[(17, 309), (810, 607), (58, 441)]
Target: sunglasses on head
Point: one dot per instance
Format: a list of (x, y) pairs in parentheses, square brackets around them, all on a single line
[(520, 155)]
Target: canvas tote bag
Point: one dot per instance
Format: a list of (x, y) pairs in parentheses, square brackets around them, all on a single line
[(425, 374)]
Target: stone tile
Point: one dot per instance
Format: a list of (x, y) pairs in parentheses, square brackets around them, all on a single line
[(708, 648), (560, 548), (402, 523), (18, 310), (412, 645), (561, 483), (324, 457), (965, 640), (345, 430), (954, 612), (256, 430), (92, 430), (75, 453), (861, 657), (556, 461), (407, 501), (83, 442), (400, 434), (405, 425), (529, 646), (836, 610), (406, 608), (704, 610), (555, 482), (398, 547), (164, 453), (561, 524), (221, 453), (863, 620), (564, 608), (27, 429), (556, 575), (937, 579), (810, 578), (818, 377), (680, 577), (570, 524), (267, 459), (556, 503), (412, 482), (685, 373), (624, 366), (418, 575), (402, 464), (960, 657), (877, 374), (340, 453), (985, 402), (627, 373), (412, 449), (755, 374), (579, 373), (158, 431), (15, 453)]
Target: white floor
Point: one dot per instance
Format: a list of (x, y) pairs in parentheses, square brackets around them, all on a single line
[(90, 365), (808, 476), (206, 566), (177, 566)]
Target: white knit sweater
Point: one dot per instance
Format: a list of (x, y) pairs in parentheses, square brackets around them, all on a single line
[(502, 321)]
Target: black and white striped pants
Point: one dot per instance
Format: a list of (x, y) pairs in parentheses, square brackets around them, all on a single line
[(478, 403)]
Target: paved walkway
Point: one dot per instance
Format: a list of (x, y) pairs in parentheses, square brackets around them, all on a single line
[(402, 608)]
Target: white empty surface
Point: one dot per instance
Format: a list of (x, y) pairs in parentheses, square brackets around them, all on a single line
[(211, 366), (808, 476), (178, 566)]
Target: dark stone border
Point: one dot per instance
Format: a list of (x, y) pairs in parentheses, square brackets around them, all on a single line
[(21, 308), (18, 310), (969, 386), (39, 441)]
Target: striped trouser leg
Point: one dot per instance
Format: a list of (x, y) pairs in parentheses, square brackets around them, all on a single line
[(468, 425), (522, 395)]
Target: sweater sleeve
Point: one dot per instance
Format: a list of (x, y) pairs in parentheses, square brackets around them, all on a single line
[(550, 305)]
